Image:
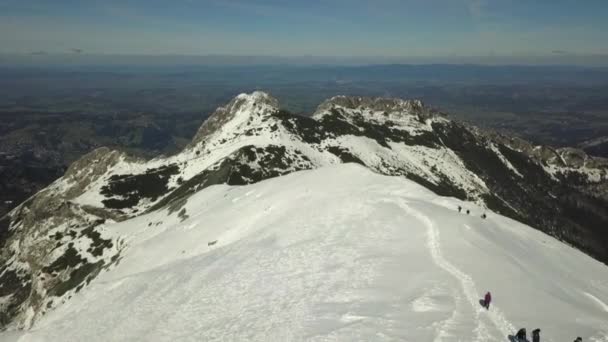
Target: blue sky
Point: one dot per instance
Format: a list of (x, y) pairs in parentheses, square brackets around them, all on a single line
[(394, 28)]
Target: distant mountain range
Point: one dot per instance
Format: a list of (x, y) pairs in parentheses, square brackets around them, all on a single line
[(83, 58)]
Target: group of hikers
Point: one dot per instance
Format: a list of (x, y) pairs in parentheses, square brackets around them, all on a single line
[(485, 302), (521, 334), (468, 212)]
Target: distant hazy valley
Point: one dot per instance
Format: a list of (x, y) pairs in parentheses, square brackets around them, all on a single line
[(51, 117)]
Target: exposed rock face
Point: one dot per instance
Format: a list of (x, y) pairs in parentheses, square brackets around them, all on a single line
[(51, 244), (374, 104), (596, 147), (55, 242), (88, 168), (570, 165), (566, 157)]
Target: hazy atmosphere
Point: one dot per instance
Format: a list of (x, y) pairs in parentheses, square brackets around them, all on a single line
[(566, 31)]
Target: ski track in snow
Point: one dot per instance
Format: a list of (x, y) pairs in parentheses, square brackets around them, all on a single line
[(598, 301), (468, 286)]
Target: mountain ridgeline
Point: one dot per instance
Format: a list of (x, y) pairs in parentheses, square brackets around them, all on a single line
[(55, 243)]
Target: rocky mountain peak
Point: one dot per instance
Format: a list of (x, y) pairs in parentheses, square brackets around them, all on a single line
[(370, 105), (240, 109)]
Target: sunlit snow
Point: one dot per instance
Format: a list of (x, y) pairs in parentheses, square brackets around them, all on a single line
[(335, 254)]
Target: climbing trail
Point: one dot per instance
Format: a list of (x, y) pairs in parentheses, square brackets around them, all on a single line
[(468, 286)]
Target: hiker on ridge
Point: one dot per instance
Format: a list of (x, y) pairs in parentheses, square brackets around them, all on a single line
[(486, 300), (536, 335), (521, 335)]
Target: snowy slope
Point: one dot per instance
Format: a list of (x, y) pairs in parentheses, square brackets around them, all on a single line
[(55, 243), (337, 253)]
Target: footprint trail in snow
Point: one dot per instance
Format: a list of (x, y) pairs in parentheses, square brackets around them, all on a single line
[(468, 287)]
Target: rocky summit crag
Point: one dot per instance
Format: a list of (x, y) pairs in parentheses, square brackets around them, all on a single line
[(54, 243)]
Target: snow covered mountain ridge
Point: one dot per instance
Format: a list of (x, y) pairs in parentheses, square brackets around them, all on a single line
[(338, 253), (56, 242)]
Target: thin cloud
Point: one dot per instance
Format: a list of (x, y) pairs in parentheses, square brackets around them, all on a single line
[(477, 8)]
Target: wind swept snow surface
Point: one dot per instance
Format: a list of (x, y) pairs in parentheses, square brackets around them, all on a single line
[(338, 253)]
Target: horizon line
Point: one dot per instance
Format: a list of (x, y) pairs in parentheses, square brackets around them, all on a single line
[(82, 58)]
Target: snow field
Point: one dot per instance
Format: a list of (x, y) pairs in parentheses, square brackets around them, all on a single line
[(335, 254)]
